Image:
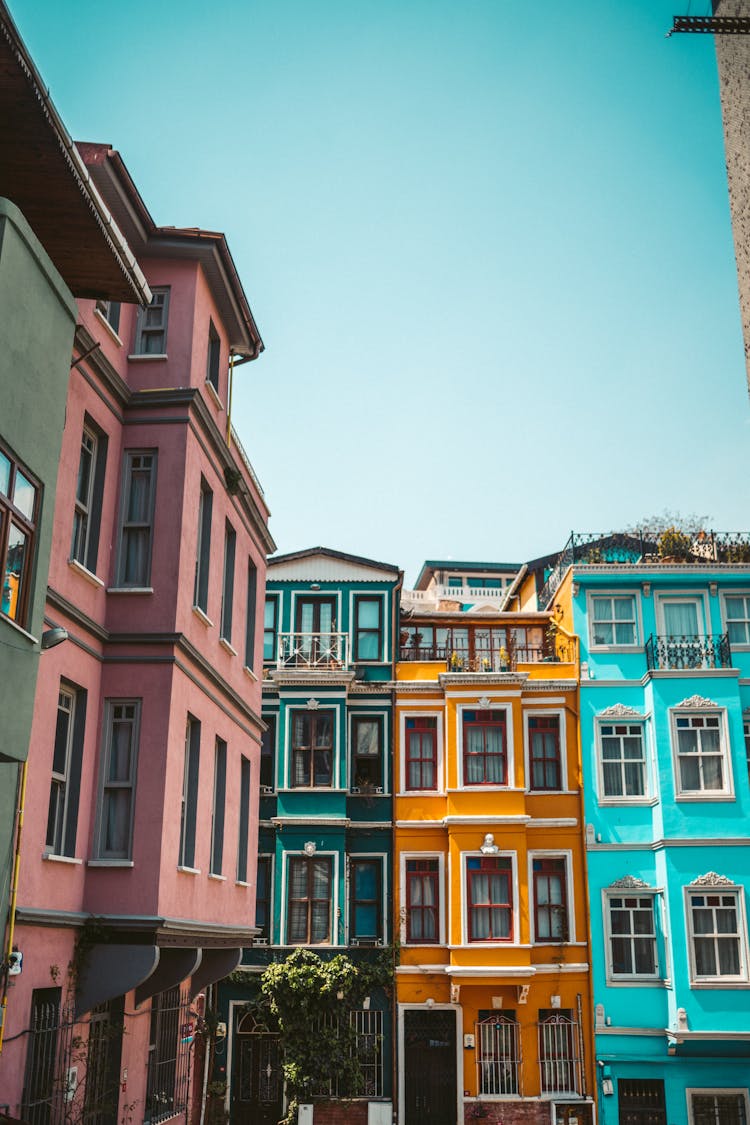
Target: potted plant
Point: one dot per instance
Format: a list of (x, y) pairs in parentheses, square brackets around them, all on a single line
[(674, 545), (456, 664), (504, 659)]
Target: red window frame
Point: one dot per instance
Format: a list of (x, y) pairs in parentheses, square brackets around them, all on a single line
[(421, 731), (544, 724), (485, 721), (480, 867), (422, 871)]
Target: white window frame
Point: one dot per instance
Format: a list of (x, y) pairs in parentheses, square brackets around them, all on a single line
[(129, 783), (656, 895), (567, 856), (737, 646), (516, 916), (62, 778), (639, 720), (698, 598), (427, 713), (82, 507), (708, 1091), (543, 713), (726, 793), (375, 857), (335, 905), (637, 644), (404, 906), (494, 705), (738, 893)]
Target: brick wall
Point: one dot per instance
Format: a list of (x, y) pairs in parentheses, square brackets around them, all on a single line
[(509, 1113), (340, 1112)]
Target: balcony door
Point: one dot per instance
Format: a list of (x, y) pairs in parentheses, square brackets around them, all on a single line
[(683, 631), (316, 624)]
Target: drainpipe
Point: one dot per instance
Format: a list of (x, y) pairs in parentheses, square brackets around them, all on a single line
[(14, 896)]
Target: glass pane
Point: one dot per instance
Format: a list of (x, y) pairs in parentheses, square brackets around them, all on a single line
[(368, 615), (623, 609), (119, 755), (367, 737), (13, 577), (367, 646), (117, 821), (23, 495), (681, 619), (4, 474)]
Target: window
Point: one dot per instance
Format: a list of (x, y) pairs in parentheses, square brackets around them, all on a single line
[(489, 897), (550, 899), (151, 326), (422, 901), (366, 883), (421, 753), (268, 753), (103, 1053), (243, 832), (623, 760), (189, 813), (484, 583), (120, 758), (498, 1052), (367, 752), (67, 758), (270, 626), (203, 547), (227, 592), (310, 886), (717, 939), (89, 493), (746, 730), (263, 897), (217, 817), (316, 640), (368, 628), (110, 310), (485, 754), (558, 1051), (252, 599), (613, 620), (368, 1049), (19, 502), (138, 492), (718, 1107), (640, 1101), (545, 762), (168, 1074), (632, 935), (701, 758), (213, 356), (42, 1076), (312, 749), (737, 617)]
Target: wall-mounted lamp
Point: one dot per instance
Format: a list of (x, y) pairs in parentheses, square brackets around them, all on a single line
[(53, 637)]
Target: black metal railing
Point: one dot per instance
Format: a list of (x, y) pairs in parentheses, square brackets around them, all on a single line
[(671, 545), (555, 649), (690, 651)]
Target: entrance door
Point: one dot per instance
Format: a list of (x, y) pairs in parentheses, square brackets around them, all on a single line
[(257, 1081), (641, 1101), (430, 1067)]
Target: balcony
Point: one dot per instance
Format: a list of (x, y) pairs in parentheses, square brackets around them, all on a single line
[(553, 649), (688, 653), (312, 651), (465, 595)]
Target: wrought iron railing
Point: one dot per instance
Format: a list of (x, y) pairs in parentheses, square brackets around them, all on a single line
[(554, 649), (688, 652), (312, 650), (499, 1055), (623, 548), (559, 1059), (168, 1067)]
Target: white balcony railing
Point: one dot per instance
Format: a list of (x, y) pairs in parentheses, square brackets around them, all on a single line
[(323, 651), (464, 594)]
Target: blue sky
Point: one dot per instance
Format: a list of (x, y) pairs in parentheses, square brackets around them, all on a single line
[(487, 245)]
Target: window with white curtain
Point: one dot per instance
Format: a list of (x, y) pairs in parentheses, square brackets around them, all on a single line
[(489, 895), (701, 759), (716, 927), (622, 761)]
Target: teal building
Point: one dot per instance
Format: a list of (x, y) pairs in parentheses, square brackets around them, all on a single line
[(664, 630), (324, 873)]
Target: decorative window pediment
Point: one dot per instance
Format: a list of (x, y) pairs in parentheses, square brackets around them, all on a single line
[(629, 883), (620, 711), (711, 879), (696, 702)]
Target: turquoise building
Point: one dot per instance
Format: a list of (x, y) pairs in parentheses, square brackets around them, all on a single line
[(664, 630), (325, 834)]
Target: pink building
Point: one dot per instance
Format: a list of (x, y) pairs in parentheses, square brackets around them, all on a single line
[(139, 845)]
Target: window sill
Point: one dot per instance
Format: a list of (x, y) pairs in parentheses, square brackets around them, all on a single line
[(130, 589), (218, 878), (188, 870), (50, 857), (159, 356), (214, 394), (241, 883), (103, 320), (639, 982), (705, 796), (249, 672), (225, 644), (109, 863), (203, 617), (18, 628), (84, 572), (720, 982), (624, 802)]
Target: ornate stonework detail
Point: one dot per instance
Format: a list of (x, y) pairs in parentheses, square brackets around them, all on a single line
[(619, 711), (711, 879), (313, 704), (489, 847), (628, 883), (697, 702), (484, 702)]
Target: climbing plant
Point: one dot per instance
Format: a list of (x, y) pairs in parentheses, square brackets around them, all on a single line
[(311, 999)]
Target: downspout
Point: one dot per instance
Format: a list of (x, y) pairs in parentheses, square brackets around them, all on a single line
[(14, 896)]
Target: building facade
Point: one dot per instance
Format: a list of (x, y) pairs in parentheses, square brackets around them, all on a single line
[(325, 874), (136, 888), (492, 990), (664, 631)]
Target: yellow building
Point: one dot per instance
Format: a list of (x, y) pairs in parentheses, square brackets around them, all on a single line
[(494, 1012)]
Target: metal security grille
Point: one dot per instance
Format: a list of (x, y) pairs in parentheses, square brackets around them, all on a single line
[(559, 1062), (46, 1084), (169, 1055), (719, 1109), (499, 1058), (641, 1101), (102, 1087), (368, 1049)]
